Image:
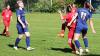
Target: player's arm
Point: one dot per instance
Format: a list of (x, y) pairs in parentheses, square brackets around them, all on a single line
[(61, 16), (11, 18), (2, 14), (92, 25), (74, 17), (26, 22), (19, 18), (21, 21)]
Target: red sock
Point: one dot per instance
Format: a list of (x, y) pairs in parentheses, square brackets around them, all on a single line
[(72, 46), (63, 26), (4, 31)]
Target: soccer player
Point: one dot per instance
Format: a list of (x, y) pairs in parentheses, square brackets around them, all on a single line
[(7, 16), (70, 20), (63, 27), (22, 26), (84, 14)]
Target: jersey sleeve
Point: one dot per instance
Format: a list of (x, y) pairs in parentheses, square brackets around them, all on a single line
[(17, 13)]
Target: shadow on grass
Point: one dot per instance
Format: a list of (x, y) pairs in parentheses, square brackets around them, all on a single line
[(11, 45), (66, 50), (2, 35), (92, 55)]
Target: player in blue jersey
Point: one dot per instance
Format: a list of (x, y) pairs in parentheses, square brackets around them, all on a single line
[(84, 14), (22, 26)]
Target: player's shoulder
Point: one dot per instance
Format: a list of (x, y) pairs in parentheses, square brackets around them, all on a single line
[(17, 10), (80, 9)]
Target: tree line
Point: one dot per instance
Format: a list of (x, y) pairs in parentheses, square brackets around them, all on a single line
[(42, 5)]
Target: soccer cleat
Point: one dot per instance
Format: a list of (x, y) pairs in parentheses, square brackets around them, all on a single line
[(61, 34), (80, 51), (15, 48), (30, 48), (77, 52), (87, 50)]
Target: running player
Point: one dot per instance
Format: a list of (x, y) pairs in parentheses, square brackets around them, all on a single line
[(70, 20), (63, 27), (84, 14)]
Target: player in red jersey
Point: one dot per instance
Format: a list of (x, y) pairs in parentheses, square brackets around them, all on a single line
[(7, 15), (70, 20), (63, 27)]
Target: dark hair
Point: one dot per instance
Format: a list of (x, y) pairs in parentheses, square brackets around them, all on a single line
[(87, 4), (68, 9)]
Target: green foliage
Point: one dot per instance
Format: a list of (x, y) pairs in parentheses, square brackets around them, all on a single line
[(1, 5)]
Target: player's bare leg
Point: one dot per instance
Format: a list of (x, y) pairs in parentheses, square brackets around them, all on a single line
[(7, 31)]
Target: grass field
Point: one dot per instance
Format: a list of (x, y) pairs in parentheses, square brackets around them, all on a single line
[(44, 28)]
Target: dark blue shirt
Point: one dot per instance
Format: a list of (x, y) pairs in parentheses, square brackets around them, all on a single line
[(20, 13), (83, 15)]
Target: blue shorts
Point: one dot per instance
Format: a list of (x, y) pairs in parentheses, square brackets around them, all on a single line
[(81, 29), (21, 30)]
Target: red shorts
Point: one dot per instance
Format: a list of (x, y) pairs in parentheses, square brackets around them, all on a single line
[(71, 31), (6, 22)]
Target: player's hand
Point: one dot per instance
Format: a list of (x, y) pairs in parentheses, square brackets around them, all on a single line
[(59, 11), (94, 31), (24, 26), (69, 24), (27, 24)]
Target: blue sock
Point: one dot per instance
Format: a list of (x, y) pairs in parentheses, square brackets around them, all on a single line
[(85, 42), (28, 41), (17, 42), (77, 44)]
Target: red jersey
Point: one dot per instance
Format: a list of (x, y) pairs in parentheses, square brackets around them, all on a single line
[(69, 17), (6, 14)]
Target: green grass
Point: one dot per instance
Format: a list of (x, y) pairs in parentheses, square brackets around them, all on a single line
[(44, 28)]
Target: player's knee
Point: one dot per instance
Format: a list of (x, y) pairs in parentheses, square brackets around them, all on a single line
[(75, 39), (20, 36), (69, 41), (76, 36), (27, 33)]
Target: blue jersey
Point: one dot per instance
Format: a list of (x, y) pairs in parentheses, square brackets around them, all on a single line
[(21, 13), (83, 15), (20, 29)]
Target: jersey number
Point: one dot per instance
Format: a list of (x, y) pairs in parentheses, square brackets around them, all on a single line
[(83, 15)]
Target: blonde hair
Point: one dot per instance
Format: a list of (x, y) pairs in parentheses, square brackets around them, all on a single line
[(19, 1)]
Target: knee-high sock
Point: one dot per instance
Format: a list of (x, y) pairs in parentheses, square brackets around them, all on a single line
[(77, 44), (17, 42), (72, 46), (63, 26), (85, 42), (28, 41)]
